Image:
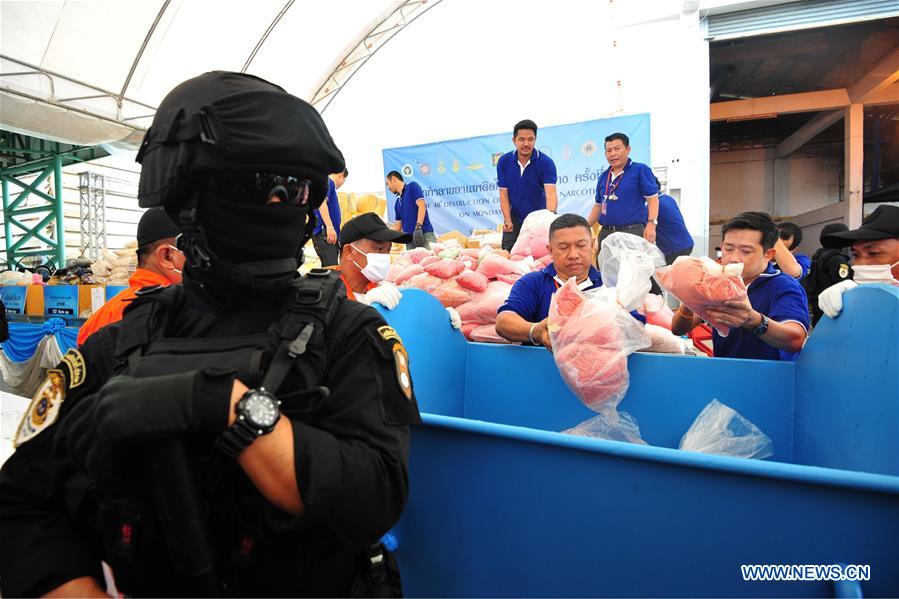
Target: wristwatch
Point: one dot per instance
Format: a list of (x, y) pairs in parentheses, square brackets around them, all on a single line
[(257, 414), (654, 221), (762, 328)]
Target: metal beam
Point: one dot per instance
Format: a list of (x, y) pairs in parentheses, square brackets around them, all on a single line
[(853, 156), (140, 53), (52, 211), (813, 127), (789, 103), (880, 77), (400, 15), (265, 35)]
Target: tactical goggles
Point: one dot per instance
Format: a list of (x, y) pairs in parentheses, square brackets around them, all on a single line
[(264, 188)]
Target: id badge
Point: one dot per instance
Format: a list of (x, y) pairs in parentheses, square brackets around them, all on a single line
[(603, 211)]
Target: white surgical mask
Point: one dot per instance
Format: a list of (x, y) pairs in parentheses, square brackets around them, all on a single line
[(378, 265), (873, 273), (177, 250)]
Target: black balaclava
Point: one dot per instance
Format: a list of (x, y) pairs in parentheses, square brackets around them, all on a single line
[(241, 232)]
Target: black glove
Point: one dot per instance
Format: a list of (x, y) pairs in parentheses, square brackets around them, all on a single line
[(129, 411), (418, 237)]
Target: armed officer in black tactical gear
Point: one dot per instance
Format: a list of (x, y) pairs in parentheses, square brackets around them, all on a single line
[(246, 433)]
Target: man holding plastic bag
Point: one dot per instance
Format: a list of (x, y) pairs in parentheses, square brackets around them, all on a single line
[(592, 333), (523, 316), (767, 321)]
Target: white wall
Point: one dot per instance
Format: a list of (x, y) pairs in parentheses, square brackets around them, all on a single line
[(806, 181)]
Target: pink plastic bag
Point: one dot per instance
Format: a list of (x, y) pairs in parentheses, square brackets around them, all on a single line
[(418, 254), (425, 282), (591, 339), (429, 260), (534, 234), (657, 311), (486, 333), (509, 278), (494, 264), (445, 269), (538, 248), (408, 272), (473, 281), (482, 307), (664, 341), (702, 283), (450, 294)]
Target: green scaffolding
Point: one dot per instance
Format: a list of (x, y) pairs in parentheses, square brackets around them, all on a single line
[(22, 156)]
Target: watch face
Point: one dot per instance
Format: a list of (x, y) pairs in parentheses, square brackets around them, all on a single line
[(262, 410)]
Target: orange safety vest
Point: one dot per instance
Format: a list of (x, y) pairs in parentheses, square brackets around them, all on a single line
[(112, 310)]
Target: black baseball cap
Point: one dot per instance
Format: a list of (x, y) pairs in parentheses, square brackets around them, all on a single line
[(883, 223), (154, 225), (370, 226)]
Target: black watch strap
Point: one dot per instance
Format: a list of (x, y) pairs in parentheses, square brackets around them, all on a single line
[(762, 328), (236, 438)]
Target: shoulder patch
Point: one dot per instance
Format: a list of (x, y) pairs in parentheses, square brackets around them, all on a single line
[(74, 363), (844, 270), (44, 408), (401, 359), (387, 333)]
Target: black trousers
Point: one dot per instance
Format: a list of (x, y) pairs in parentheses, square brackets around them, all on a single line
[(510, 238), (327, 252)]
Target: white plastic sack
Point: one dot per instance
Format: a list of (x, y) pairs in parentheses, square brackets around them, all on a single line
[(627, 263), (625, 429), (722, 430)]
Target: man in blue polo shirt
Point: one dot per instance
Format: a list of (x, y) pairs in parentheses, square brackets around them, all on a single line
[(326, 232), (627, 197), (411, 211), (523, 315), (526, 178), (786, 252), (772, 322), (672, 237)]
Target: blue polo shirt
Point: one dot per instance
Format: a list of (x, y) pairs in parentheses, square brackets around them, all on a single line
[(805, 263), (526, 192), (531, 294), (671, 233), (778, 296), (406, 210), (333, 210), (632, 187)]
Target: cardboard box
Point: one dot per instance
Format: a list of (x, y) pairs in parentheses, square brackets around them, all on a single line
[(34, 300), (453, 235)]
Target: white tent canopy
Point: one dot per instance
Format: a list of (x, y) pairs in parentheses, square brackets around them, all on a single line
[(111, 62), (463, 68)]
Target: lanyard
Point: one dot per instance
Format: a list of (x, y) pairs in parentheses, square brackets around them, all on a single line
[(615, 185), (582, 286)]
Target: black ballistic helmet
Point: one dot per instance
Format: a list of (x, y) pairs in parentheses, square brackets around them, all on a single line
[(232, 137), (232, 123)]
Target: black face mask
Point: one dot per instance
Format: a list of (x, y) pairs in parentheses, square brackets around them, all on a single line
[(240, 232)]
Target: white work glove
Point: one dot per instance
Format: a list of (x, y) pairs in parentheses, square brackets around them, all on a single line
[(831, 299), (455, 319), (386, 294)]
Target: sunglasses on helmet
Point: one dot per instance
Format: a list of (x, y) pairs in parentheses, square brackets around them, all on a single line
[(266, 188)]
